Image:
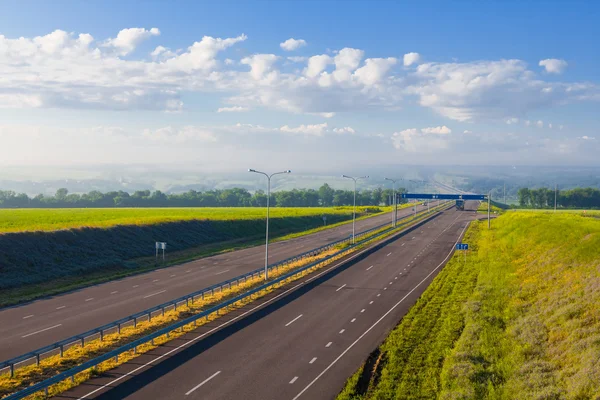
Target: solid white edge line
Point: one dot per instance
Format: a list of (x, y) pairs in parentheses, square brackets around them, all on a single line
[(294, 320), (203, 382), (41, 330), (380, 319), (60, 308), (340, 288), (227, 323)]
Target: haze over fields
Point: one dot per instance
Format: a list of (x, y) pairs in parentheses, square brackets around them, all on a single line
[(217, 87)]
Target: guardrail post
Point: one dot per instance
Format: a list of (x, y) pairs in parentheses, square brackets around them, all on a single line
[(37, 359), (167, 335), (175, 306), (135, 322), (12, 370), (149, 316), (119, 329), (46, 391), (101, 335), (62, 350), (117, 358), (82, 342), (135, 350), (72, 378), (163, 311), (152, 342), (187, 302), (202, 295)]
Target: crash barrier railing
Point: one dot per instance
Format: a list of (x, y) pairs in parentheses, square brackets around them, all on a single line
[(35, 356), (70, 374)]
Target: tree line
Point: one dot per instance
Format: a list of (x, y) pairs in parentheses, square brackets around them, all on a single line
[(325, 196), (573, 198)]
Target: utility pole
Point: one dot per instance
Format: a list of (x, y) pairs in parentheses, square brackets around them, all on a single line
[(555, 193), (504, 192)]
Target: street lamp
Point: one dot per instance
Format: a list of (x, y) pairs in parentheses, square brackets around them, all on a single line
[(354, 210), (395, 205), (268, 199)]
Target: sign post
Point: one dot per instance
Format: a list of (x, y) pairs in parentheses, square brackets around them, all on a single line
[(464, 247), (324, 220), (163, 246)]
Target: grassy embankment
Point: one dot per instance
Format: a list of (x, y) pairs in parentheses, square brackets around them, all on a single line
[(521, 320), (97, 245), (483, 208), (76, 355)]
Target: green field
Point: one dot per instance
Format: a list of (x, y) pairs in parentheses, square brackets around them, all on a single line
[(519, 320), (21, 220)]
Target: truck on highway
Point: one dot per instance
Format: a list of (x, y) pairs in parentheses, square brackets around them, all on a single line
[(460, 204)]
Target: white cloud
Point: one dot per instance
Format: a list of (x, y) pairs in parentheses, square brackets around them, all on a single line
[(425, 140), (540, 124), (343, 130), (550, 125), (374, 70), (180, 135), (65, 70), (586, 138), (128, 39), (466, 132), (511, 121), (527, 123), (261, 65), (317, 64), (292, 44), (411, 58), (297, 59), (313, 130), (438, 130), (553, 65), (232, 109)]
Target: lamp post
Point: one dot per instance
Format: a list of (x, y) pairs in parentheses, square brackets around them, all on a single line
[(268, 200), (354, 209), (395, 205), (555, 193)]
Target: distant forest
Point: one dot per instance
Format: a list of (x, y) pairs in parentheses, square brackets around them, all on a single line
[(574, 198), (325, 196)]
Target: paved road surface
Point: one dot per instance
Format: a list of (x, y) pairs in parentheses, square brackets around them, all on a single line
[(300, 346), (43, 322)]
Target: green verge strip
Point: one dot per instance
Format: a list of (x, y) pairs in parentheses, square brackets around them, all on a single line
[(59, 374), (519, 320)]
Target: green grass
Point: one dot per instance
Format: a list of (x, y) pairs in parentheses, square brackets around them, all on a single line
[(521, 320), (20, 220)]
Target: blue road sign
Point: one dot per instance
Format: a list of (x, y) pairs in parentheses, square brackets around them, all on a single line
[(444, 196), (462, 246)]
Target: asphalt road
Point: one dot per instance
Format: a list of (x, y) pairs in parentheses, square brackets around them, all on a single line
[(301, 342), (40, 323)]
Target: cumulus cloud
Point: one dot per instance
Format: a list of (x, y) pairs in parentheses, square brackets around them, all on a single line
[(466, 132), (292, 44), (344, 130), (553, 65), (313, 130), (66, 70), (297, 59), (411, 58), (374, 70), (425, 140), (128, 39), (586, 138), (260, 65), (232, 109), (540, 124), (317, 64), (511, 121)]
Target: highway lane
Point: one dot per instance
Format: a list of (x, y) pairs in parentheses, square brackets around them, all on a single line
[(42, 322), (304, 345)]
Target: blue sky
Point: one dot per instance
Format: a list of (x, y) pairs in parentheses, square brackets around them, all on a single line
[(366, 82)]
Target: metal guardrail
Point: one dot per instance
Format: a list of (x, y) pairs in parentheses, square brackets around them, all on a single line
[(59, 347), (193, 319)]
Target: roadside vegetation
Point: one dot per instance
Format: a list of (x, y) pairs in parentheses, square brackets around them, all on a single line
[(519, 320), (494, 209), (76, 354), (36, 264)]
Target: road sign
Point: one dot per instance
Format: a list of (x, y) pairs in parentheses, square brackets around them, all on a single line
[(462, 246), (443, 196), (163, 246)]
